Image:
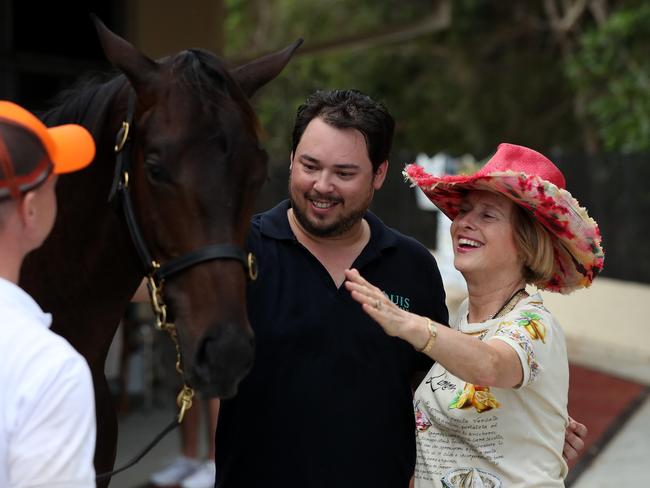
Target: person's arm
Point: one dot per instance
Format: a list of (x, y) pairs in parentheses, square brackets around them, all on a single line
[(492, 363)]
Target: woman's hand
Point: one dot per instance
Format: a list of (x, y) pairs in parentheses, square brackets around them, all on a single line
[(395, 321), (486, 364)]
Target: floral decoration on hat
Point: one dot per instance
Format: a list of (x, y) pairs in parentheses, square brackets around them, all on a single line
[(533, 182)]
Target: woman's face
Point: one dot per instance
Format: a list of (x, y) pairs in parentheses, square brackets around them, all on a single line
[(482, 236)]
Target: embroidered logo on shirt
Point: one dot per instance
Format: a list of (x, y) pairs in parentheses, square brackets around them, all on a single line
[(402, 302)]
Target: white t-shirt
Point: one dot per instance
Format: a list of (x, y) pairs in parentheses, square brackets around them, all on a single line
[(47, 405), (506, 437)]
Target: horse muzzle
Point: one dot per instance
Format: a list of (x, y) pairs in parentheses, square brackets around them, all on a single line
[(223, 357)]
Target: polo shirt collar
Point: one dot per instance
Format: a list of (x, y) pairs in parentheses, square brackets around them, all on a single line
[(14, 298), (275, 224)]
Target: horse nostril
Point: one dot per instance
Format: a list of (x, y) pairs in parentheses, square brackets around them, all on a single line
[(224, 355), (202, 363)]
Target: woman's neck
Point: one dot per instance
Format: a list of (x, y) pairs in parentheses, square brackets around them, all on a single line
[(488, 298)]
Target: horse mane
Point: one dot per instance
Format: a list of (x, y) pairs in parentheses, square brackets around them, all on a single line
[(208, 76), (91, 97), (87, 102)]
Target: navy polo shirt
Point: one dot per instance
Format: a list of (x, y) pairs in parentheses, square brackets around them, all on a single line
[(328, 402)]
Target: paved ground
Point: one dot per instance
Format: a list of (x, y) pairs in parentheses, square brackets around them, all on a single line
[(606, 333), (607, 330)]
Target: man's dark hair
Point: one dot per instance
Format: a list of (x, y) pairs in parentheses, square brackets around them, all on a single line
[(349, 109)]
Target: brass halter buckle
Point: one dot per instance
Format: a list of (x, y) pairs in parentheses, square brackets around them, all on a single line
[(123, 135), (184, 398), (251, 264)]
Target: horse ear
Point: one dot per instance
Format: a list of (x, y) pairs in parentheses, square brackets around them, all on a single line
[(137, 67), (257, 73)]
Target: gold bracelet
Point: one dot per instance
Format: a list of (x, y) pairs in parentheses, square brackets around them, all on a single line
[(433, 333)]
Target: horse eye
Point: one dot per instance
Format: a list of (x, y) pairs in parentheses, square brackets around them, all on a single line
[(156, 171)]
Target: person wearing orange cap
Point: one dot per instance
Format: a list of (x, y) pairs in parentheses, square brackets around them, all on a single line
[(492, 410), (47, 409)]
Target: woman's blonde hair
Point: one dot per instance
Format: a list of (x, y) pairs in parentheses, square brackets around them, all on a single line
[(535, 246)]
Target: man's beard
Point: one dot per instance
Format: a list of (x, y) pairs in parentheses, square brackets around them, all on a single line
[(336, 228)]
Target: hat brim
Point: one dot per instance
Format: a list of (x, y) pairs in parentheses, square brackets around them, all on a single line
[(74, 148), (579, 255)]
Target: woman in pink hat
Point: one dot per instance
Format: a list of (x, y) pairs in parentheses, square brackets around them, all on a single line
[(492, 410)]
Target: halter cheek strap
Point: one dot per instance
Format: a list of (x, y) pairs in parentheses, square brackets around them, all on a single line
[(157, 273), (120, 186)]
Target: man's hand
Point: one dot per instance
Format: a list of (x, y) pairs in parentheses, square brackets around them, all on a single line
[(574, 439)]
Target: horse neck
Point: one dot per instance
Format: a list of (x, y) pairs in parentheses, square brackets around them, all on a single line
[(87, 269)]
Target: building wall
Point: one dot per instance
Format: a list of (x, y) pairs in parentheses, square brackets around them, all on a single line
[(163, 27), (45, 48)]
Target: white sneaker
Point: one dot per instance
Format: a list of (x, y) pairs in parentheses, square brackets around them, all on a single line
[(202, 477), (174, 473)]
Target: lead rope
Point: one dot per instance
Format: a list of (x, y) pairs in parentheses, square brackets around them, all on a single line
[(186, 395)]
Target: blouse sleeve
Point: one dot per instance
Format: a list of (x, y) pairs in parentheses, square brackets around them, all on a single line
[(528, 332)]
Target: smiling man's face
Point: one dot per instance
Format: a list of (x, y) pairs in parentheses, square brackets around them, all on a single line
[(332, 181)]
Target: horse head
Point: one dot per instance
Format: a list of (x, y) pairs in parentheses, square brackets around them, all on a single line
[(196, 165)]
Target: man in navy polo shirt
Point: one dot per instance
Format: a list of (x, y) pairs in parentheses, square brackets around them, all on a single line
[(328, 402)]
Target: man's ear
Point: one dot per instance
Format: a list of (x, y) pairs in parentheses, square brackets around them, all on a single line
[(380, 175)]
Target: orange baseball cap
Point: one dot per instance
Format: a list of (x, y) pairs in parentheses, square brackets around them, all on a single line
[(70, 147)]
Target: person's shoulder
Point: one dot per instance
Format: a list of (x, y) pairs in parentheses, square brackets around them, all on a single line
[(534, 303), (41, 360), (390, 236), (410, 241), (531, 314), (256, 221), (27, 337), (412, 247), (272, 222)]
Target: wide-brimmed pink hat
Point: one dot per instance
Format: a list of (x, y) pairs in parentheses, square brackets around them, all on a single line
[(533, 182)]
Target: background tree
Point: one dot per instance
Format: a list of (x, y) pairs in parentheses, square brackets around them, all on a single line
[(611, 73), (459, 76)]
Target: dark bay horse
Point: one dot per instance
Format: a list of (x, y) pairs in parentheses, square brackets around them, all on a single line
[(195, 167)]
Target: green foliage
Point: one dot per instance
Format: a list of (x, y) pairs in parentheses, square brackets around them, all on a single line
[(611, 71), (495, 74)]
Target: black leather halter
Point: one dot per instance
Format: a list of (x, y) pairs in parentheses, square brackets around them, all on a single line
[(151, 267), (158, 272)]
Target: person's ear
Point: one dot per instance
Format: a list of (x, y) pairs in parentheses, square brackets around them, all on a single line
[(27, 209), (291, 160), (380, 175)]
